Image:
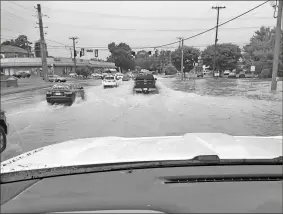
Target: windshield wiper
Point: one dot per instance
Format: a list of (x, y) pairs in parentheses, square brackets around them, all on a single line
[(201, 160)]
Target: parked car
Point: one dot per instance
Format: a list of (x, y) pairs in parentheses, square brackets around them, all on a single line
[(216, 74), (61, 79), (96, 75), (226, 73), (73, 75), (52, 78), (22, 74), (56, 78), (145, 83), (26, 74), (232, 74), (110, 81), (3, 131), (64, 93), (245, 74), (200, 74)]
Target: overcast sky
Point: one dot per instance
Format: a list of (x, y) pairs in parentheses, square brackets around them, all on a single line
[(137, 23)]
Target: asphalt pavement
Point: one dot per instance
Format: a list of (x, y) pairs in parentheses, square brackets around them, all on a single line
[(180, 107)]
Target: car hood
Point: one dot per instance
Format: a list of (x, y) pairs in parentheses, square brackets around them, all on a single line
[(118, 149)]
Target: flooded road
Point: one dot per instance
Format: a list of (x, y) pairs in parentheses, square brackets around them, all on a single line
[(235, 107)]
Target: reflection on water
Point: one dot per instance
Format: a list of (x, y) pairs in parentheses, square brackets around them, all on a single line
[(249, 88)]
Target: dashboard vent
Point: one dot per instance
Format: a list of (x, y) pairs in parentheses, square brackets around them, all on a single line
[(207, 179)]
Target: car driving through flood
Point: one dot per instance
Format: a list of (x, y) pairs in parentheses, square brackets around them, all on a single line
[(109, 81), (145, 83), (64, 93)]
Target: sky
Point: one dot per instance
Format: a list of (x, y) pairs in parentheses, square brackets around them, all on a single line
[(137, 23)]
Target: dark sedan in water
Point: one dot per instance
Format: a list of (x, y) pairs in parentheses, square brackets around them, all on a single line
[(145, 83), (64, 93), (3, 131)]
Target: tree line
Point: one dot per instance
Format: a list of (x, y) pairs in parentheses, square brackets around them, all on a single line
[(258, 52)]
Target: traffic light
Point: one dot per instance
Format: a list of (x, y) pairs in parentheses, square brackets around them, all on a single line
[(82, 52), (149, 53), (75, 53), (96, 52)]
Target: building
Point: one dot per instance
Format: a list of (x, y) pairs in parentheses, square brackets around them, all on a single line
[(58, 66), (8, 51)]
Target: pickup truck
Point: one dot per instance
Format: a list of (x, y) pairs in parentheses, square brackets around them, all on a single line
[(145, 83)]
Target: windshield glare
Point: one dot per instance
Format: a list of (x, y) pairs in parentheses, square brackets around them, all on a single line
[(147, 71)]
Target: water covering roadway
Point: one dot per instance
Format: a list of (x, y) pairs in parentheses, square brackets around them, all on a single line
[(232, 106)]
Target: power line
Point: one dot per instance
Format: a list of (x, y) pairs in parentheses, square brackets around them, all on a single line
[(94, 28), (57, 42), (171, 18), (19, 17), (19, 5), (152, 18), (213, 27)]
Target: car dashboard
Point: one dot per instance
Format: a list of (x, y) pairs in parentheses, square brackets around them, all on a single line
[(202, 189)]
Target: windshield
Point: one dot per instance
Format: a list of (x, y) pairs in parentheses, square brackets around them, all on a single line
[(147, 71)]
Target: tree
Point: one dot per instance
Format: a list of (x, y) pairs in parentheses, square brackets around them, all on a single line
[(170, 70), (121, 55), (227, 56), (9, 42), (85, 72), (190, 56), (21, 42), (37, 49), (259, 52)]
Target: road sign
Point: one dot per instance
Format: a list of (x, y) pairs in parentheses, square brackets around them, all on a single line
[(252, 68)]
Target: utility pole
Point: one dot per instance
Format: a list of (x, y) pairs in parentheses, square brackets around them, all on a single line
[(170, 57), (74, 47), (216, 37), (182, 56), (277, 47), (42, 44)]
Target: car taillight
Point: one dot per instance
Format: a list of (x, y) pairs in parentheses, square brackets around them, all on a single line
[(68, 93), (48, 93)]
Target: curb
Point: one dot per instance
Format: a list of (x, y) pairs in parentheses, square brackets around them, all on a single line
[(31, 89)]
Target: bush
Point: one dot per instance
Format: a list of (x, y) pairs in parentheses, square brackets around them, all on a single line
[(170, 70), (265, 73)]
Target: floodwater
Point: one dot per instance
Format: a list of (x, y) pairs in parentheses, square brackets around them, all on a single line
[(232, 106)]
